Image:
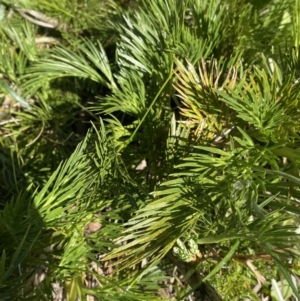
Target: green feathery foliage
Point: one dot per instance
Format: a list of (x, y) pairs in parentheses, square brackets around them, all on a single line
[(150, 150)]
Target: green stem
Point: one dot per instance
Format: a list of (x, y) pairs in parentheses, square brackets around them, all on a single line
[(146, 114)]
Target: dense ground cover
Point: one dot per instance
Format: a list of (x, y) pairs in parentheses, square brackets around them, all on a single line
[(149, 150)]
